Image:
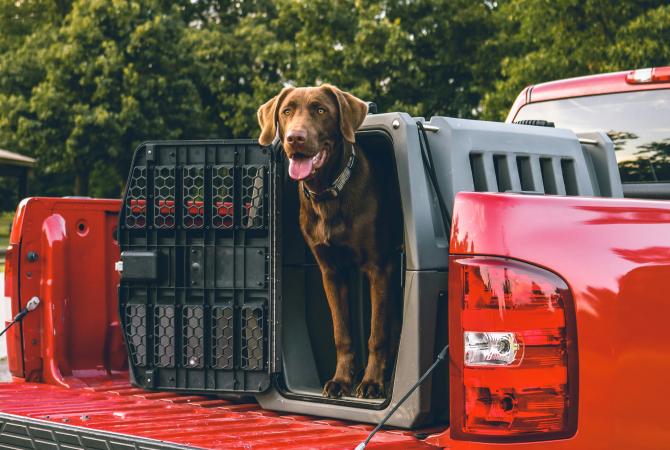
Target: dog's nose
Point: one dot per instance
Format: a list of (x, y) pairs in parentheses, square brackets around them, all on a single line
[(296, 137)]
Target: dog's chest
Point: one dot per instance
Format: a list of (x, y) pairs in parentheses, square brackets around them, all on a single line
[(322, 227)]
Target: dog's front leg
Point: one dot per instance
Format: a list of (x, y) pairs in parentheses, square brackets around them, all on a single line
[(336, 291), (372, 385)]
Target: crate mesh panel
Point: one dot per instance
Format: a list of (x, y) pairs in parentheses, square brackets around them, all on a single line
[(252, 337), (193, 183), (222, 196), (193, 329), (136, 198), (199, 213), (222, 337), (164, 336), (164, 201), (253, 182), (136, 333)]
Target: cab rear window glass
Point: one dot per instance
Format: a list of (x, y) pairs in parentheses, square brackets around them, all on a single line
[(637, 122)]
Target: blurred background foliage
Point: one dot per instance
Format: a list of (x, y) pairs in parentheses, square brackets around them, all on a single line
[(82, 83)]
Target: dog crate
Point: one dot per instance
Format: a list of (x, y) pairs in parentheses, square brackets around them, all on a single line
[(220, 294)]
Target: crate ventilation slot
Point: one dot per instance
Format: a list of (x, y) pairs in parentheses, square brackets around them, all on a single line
[(509, 172)]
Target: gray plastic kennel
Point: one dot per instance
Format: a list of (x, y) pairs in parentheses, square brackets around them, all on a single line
[(219, 293)]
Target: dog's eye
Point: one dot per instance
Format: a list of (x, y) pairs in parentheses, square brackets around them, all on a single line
[(286, 111), (320, 110)]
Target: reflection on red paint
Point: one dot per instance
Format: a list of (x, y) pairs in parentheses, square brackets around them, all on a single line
[(647, 255), (625, 214)]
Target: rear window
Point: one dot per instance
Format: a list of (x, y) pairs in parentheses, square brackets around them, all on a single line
[(637, 122)]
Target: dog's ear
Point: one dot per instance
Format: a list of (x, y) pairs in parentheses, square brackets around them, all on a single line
[(268, 117), (352, 111)]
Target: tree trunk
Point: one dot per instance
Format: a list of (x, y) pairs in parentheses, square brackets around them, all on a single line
[(81, 184)]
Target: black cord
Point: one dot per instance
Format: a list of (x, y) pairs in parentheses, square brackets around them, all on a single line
[(429, 166), (440, 358), (32, 304)]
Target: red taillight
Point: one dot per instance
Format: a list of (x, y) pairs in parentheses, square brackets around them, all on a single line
[(652, 75), (661, 74), (513, 341), (9, 271)]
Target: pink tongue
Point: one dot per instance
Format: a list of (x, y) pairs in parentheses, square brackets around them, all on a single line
[(300, 168)]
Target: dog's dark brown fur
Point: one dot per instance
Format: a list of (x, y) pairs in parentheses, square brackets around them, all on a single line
[(359, 226)]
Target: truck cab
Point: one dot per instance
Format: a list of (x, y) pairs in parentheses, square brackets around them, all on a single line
[(632, 106)]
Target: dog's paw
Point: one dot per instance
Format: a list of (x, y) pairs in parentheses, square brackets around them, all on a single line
[(336, 389), (370, 389)]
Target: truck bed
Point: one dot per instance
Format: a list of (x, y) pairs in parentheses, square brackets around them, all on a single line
[(71, 386), (115, 415)]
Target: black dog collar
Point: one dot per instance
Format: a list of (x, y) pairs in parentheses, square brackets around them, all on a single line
[(334, 190)]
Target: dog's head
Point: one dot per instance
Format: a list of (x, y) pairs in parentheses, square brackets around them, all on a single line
[(312, 122)]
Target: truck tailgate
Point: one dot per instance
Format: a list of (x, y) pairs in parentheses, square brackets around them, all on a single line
[(117, 415)]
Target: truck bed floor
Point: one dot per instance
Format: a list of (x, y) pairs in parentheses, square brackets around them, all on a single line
[(115, 415)]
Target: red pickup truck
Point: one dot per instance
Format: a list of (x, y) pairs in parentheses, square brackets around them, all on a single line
[(588, 361)]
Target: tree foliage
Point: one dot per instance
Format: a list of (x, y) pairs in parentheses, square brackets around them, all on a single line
[(112, 73), (543, 40), (83, 82)]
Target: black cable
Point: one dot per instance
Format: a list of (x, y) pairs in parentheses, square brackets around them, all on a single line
[(429, 166), (440, 358), (32, 304)]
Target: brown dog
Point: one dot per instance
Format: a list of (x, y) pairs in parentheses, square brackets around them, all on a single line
[(346, 215)]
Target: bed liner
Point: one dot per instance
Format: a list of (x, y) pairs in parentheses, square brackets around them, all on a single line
[(115, 415)]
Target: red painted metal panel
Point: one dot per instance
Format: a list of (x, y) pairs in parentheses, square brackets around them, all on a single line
[(521, 100), (13, 334), (65, 254), (615, 256), (605, 83), (197, 421)]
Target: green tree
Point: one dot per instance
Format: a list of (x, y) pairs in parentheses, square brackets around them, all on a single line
[(407, 56), (83, 82), (643, 42), (21, 53), (113, 73)]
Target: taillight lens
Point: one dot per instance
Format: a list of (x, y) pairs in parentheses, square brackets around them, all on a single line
[(9, 271), (651, 75), (513, 341)]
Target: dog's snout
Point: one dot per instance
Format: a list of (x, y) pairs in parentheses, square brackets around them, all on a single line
[(296, 137)]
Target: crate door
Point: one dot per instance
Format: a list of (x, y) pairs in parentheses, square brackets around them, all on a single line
[(196, 288)]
